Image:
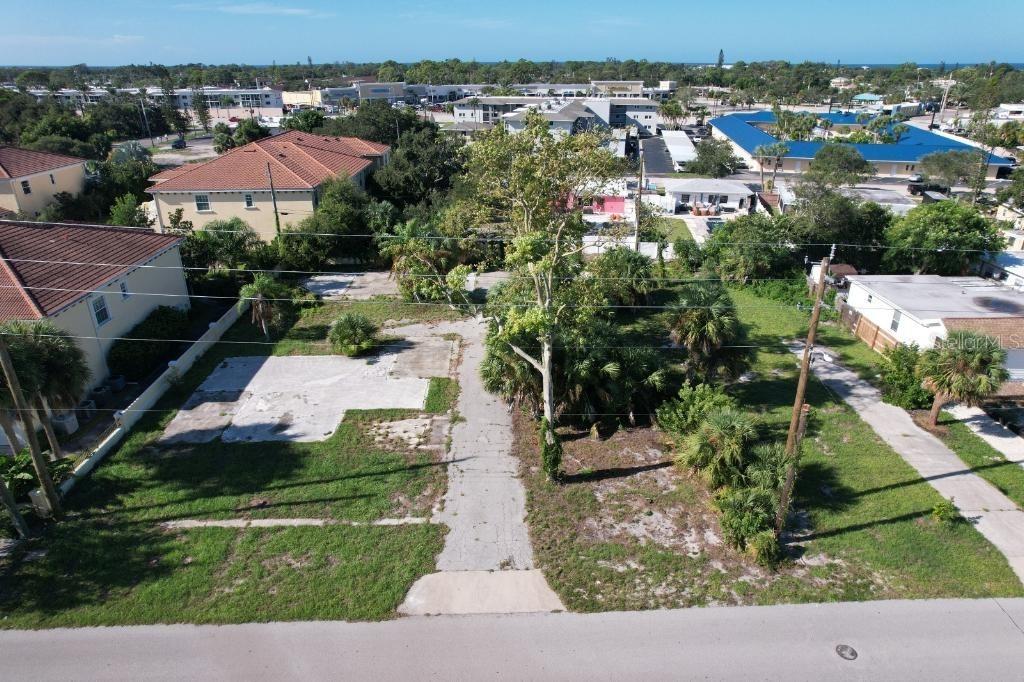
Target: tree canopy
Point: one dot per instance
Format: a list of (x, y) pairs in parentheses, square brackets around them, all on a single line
[(943, 238)]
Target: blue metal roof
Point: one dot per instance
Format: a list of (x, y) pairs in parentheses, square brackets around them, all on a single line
[(914, 145)]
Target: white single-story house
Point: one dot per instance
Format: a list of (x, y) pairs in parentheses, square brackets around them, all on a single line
[(729, 195), (889, 310), (94, 281)]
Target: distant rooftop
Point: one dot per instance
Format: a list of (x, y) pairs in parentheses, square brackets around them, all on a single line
[(932, 297), (916, 143)]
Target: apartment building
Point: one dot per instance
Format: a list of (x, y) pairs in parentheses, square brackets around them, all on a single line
[(267, 183), (29, 179), (614, 112)]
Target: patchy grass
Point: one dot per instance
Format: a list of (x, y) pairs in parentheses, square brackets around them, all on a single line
[(110, 562), (982, 458), (675, 229), (100, 575), (627, 530), (442, 395)]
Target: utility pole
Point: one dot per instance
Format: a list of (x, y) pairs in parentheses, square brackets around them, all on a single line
[(639, 196), (42, 470), (799, 414), (273, 199), (145, 119)]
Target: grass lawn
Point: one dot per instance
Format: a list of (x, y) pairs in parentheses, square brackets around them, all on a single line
[(675, 229), (982, 458), (629, 530), (111, 562)]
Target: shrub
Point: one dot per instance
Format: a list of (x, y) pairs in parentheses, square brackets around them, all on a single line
[(764, 547), (946, 513), (352, 334), (623, 275), (900, 384), (136, 359), (680, 416), (746, 513), (688, 254), (19, 475), (550, 453)]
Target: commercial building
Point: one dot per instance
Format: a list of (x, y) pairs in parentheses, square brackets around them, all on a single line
[(886, 310), (271, 182), (389, 92), (29, 179), (749, 130), (90, 280), (617, 88), (614, 112)]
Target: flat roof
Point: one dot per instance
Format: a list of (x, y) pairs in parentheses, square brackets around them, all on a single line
[(705, 185), (916, 143), (933, 297)]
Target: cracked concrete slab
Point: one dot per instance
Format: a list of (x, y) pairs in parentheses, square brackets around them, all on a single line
[(291, 398), (356, 286)]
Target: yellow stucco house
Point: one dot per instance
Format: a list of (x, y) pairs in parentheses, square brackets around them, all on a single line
[(29, 179), (94, 281), (270, 183)]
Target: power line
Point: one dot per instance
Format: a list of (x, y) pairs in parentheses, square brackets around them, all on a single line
[(455, 305)]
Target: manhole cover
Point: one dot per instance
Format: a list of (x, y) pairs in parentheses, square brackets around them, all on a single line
[(846, 651)]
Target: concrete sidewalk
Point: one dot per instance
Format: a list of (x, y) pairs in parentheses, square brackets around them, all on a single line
[(992, 513), (992, 432), (892, 640)]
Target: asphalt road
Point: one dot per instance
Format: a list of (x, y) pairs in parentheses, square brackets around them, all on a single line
[(935, 640)]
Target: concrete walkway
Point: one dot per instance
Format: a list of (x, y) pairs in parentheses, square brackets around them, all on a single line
[(993, 514), (992, 432), (894, 640), (484, 507)]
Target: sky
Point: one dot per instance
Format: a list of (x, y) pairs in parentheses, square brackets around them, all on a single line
[(112, 32)]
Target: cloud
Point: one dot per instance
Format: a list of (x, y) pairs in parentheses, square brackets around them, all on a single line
[(251, 9), (26, 40)]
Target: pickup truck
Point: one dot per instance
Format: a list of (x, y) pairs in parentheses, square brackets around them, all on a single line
[(918, 188)]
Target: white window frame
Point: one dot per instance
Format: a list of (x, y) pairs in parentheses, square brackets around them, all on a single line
[(895, 324), (205, 200), (101, 299), (125, 294), (249, 200)]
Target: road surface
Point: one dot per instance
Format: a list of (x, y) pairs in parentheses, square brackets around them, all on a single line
[(897, 640)]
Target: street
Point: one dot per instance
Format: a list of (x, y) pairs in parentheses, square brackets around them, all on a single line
[(935, 639)]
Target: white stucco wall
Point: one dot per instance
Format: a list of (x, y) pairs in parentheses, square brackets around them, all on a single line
[(77, 319), (881, 312)]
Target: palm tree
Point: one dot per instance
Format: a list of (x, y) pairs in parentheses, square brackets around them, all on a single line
[(265, 294), (718, 448), (826, 125), (774, 152), (703, 322), (671, 110), (967, 367), (63, 372)]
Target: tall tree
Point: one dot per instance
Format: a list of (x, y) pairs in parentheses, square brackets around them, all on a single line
[(715, 158), (965, 367), (943, 238), (201, 108), (838, 165), (531, 183)]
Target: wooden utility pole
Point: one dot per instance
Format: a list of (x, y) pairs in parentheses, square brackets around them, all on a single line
[(273, 199), (799, 414), (639, 195), (42, 470)]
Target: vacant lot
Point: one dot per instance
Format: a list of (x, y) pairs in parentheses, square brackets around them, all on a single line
[(629, 530), (115, 560)]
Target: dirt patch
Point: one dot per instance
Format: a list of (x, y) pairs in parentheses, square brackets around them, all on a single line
[(413, 433), (921, 418), (628, 529)]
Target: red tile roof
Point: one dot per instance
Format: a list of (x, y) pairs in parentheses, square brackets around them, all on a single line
[(35, 277), (297, 161), (16, 162), (1009, 331)]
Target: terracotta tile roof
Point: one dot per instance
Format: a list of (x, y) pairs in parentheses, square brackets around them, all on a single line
[(27, 286), (1008, 330), (16, 162), (297, 161)]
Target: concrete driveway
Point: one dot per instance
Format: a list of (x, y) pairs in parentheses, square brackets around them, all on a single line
[(352, 286)]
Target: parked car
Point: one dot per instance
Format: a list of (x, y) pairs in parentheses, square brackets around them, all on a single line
[(918, 188), (916, 177), (178, 144)]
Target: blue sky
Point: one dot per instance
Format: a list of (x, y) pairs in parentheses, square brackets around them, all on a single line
[(55, 32)]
